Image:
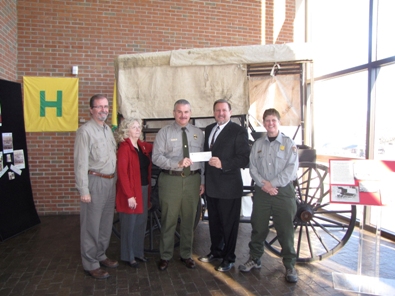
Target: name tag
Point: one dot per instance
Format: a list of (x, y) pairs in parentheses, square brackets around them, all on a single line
[(173, 140)]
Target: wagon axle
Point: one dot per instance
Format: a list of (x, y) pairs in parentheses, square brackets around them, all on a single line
[(305, 213)]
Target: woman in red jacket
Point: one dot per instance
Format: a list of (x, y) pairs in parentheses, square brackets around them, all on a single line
[(133, 189)]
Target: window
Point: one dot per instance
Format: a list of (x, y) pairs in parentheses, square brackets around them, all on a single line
[(339, 34), (384, 135), (385, 25), (384, 138), (340, 116)]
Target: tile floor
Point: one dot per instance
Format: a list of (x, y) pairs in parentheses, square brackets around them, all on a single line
[(45, 260)]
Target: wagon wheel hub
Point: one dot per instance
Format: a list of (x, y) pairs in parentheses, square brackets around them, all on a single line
[(305, 213), (306, 216)]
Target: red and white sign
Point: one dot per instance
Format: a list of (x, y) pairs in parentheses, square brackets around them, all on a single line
[(363, 182)]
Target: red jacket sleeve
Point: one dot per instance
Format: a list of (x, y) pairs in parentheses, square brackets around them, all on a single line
[(124, 170)]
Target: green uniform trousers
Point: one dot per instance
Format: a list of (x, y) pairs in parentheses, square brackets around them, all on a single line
[(282, 208), (178, 197)]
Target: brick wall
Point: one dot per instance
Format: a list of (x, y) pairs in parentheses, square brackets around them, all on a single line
[(8, 39), (55, 35), (287, 13)]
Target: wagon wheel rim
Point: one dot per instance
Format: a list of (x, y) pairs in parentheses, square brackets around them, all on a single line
[(321, 228)]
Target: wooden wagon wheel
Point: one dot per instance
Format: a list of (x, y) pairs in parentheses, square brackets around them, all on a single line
[(321, 228)]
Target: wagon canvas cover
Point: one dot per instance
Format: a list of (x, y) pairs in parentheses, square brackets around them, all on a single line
[(148, 84)]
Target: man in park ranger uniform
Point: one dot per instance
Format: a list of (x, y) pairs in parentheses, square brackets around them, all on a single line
[(181, 182)]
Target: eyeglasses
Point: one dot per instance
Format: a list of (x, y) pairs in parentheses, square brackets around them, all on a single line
[(100, 107), (135, 127)]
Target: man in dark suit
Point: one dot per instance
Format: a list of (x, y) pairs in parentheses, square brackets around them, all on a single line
[(228, 143)]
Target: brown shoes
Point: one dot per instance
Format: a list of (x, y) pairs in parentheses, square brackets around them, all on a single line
[(98, 273), (188, 262), (109, 263), (101, 273), (163, 264)]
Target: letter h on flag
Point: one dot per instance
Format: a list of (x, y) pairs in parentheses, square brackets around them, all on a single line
[(50, 104)]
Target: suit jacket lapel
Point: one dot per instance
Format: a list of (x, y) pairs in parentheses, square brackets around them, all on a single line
[(222, 135)]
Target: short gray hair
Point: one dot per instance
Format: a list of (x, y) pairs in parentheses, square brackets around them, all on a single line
[(181, 102)]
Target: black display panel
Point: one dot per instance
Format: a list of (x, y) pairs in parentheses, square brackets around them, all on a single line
[(17, 210)]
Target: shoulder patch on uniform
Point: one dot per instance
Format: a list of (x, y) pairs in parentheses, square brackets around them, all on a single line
[(294, 149)]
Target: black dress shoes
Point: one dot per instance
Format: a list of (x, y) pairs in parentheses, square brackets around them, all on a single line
[(188, 262), (224, 266), (163, 264), (134, 264), (141, 259), (209, 258)]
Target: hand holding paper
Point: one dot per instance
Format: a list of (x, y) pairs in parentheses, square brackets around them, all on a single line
[(200, 156)]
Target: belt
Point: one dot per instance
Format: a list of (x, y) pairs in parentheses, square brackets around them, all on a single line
[(179, 173), (101, 175)]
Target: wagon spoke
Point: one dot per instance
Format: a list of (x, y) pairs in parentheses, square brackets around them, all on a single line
[(272, 241), (326, 230), (321, 228), (319, 237)]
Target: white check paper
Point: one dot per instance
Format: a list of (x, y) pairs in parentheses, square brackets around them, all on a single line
[(200, 156)]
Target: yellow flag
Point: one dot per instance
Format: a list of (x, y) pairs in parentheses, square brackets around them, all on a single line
[(114, 117), (50, 104)]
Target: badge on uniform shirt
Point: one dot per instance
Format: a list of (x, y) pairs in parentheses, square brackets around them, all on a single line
[(195, 137), (294, 149), (282, 147)]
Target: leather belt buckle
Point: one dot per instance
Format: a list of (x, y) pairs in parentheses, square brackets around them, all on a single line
[(101, 175)]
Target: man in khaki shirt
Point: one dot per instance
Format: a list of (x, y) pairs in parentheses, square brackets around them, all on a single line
[(94, 168)]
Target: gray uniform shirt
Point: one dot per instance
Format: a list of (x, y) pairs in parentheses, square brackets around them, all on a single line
[(276, 162), (94, 149), (168, 151)]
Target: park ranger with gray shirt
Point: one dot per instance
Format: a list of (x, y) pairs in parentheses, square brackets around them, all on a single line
[(273, 166), (94, 168), (181, 182)]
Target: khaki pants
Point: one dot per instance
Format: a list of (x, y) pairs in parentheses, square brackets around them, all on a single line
[(96, 220)]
